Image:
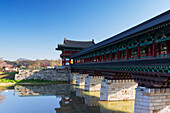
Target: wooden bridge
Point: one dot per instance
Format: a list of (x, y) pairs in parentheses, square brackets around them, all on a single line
[(141, 53), (134, 64)]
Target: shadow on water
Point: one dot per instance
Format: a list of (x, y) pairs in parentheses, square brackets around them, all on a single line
[(73, 99)]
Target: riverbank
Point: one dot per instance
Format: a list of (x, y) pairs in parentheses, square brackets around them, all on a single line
[(7, 79), (7, 82)]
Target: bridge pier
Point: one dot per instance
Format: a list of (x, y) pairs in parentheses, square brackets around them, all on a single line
[(112, 90), (73, 78), (93, 83), (152, 100), (80, 79)]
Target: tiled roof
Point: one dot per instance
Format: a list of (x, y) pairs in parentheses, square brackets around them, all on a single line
[(77, 44)]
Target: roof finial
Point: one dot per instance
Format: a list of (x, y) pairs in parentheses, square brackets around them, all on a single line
[(93, 40)]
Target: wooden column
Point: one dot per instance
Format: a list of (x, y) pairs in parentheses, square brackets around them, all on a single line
[(159, 48), (100, 58), (127, 54), (147, 51), (105, 57), (123, 52), (64, 61), (153, 49), (111, 57), (118, 55), (96, 58), (108, 56), (139, 51), (168, 46)]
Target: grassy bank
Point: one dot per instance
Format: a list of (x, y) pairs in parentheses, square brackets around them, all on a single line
[(7, 75), (8, 78)]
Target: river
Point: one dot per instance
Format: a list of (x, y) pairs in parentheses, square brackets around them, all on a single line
[(59, 98)]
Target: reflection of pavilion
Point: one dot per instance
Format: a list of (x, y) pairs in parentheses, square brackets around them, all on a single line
[(76, 105), (64, 106)]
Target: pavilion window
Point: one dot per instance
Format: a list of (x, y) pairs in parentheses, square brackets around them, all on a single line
[(161, 49), (168, 46), (144, 51), (102, 58), (107, 57), (134, 53), (147, 51), (115, 56)]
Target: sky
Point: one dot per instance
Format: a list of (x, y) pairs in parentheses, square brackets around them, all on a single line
[(32, 29)]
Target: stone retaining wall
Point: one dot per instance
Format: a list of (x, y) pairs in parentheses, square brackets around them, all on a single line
[(62, 74)]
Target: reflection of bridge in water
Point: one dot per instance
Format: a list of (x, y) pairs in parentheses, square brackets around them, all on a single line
[(74, 99)]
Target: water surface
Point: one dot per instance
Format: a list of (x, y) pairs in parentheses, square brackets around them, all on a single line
[(60, 98)]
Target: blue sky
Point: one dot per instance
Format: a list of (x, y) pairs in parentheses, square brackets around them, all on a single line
[(33, 28)]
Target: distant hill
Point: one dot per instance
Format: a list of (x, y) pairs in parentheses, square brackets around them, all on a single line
[(22, 59)]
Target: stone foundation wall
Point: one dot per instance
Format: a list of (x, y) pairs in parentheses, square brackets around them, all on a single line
[(80, 79), (93, 83), (112, 90), (152, 100), (45, 74)]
